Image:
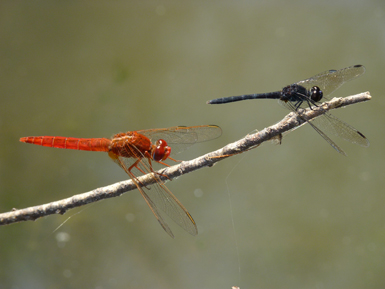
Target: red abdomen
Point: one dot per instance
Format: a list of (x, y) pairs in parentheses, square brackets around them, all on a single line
[(85, 144)]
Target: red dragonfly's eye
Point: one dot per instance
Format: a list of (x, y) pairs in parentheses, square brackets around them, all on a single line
[(161, 151)]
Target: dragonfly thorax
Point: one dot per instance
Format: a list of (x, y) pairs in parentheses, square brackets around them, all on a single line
[(294, 93), (130, 144), (298, 93)]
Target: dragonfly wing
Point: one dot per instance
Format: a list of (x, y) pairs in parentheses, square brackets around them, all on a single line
[(125, 164), (332, 125), (163, 199), (332, 143), (159, 196), (331, 80), (335, 126), (184, 134), (182, 137), (314, 124), (168, 134), (153, 208)]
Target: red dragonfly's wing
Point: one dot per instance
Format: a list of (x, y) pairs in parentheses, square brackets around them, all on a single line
[(182, 137), (159, 196)]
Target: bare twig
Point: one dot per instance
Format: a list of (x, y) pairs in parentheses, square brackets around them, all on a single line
[(291, 121)]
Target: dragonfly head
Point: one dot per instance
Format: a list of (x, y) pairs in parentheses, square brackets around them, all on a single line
[(160, 151), (316, 93)]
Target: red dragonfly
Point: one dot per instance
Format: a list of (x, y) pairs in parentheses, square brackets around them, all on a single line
[(137, 149)]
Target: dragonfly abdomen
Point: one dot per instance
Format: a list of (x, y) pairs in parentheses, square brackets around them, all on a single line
[(268, 95), (84, 144)]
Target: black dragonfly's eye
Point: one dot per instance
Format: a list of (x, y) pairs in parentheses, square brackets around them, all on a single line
[(316, 93)]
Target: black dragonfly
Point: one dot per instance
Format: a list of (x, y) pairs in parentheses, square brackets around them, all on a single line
[(308, 93)]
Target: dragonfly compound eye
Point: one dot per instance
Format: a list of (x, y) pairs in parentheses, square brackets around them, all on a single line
[(161, 151), (316, 93)]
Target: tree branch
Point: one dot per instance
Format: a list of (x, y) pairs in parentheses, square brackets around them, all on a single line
[(289, 122)]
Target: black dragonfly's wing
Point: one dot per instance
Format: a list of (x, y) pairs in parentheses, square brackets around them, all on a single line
[(331, 80), (334, 126)]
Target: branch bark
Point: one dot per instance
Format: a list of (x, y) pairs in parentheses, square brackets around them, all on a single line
[(289, 122)]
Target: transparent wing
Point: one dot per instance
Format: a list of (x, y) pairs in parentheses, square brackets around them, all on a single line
[(329, 123), (182, 137), (158, 195), (184, 134), (333, 126), (328, 139), (331, 80), (168, 203)]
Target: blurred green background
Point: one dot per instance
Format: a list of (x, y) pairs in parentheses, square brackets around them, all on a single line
[(304, 216)]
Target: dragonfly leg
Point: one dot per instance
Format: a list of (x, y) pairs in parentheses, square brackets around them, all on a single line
[(159, 174), (135, 165), (298, 104), (177, 161), (148, 156), (311, 103)]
